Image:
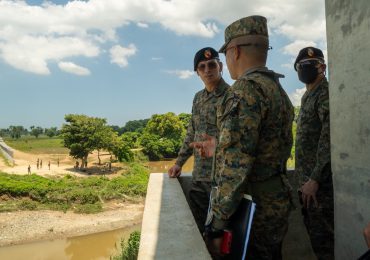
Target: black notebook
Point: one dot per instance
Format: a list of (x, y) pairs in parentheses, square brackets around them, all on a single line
[(241, 223)]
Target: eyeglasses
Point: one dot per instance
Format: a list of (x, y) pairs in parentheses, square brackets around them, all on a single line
[(302, 63), (230, 47), (211, 65)]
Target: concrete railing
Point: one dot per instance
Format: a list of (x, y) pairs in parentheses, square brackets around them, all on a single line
[(169, 230), (6, 151)]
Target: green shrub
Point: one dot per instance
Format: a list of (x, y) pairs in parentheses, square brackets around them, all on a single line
[(70, 191), (129, 249), (88, 208), (28, 205)]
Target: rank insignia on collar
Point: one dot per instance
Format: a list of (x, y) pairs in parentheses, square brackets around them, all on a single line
[(207, 54)]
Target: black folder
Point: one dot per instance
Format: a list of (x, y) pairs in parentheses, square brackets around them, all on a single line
[(241, 223)]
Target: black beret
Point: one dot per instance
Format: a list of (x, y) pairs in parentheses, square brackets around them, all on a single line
[(309, 53), (206, 53)]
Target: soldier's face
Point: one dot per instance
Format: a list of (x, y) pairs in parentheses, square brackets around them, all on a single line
[(209, 71)]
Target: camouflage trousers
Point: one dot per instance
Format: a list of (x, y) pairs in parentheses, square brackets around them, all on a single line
[(320, 224), (199, 200), (270, 225)]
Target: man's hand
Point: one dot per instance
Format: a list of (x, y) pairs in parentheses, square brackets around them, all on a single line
[(205, 148), (309, 190), (174, 171), (367, 235), (214, 247)]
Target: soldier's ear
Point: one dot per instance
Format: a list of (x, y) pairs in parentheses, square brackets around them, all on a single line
[(322, 68), (221, 66)]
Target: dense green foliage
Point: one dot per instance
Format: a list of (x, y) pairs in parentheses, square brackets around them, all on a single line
[(135, 126), (52, 131), (17, 131), (83, 134), (185, 119), (38, 146), (36, 131), (80, 194), (162, 137), (129, 249)]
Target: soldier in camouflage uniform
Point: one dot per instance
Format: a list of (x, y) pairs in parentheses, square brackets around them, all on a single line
[(203, 120), (255, 139), (313, 152)]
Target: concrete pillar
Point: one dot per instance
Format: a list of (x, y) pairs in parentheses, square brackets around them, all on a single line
[(348, 36)]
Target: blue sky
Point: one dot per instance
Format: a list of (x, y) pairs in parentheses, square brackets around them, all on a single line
[(126, 60)]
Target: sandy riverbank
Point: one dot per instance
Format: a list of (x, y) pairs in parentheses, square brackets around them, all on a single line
[(28, 226)]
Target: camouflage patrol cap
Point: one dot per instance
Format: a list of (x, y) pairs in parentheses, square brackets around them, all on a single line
[(248, 30), (309, 53), (206, 53)]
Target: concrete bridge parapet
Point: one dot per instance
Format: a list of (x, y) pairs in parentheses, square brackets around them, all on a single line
[(6, 151)]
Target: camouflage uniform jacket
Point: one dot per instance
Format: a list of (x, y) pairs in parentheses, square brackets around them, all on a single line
[(312, 148), (203, 120), (255, 139)]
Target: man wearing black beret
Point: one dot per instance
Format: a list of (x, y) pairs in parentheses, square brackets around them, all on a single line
[(203, 120), (312, 157)]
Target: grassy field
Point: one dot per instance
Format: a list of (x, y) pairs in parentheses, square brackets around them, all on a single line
[(83, 195), (41, 145)]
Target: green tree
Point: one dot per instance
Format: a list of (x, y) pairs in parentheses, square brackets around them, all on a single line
[(162, 136), (4, 132), (135, 126), (131, 139), (105, 139), (16, 131), (121, 150), (82, 135), (51, 132), (36, 131), (185, 119)]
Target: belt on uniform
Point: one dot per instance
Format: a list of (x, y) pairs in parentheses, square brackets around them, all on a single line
[(272, 184)]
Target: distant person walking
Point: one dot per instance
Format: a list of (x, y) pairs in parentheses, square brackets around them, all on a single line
[(49, 165), (40, 164), (58, 161), (29, 169)]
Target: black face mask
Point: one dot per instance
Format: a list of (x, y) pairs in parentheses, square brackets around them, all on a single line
[(307, 73)]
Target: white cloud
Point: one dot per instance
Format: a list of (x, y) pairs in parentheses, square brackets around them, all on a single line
[(294, 47), (142, 25), (156, 58), (29, 33), (119, 54), (182, 74), (296, 96), (73, 68)]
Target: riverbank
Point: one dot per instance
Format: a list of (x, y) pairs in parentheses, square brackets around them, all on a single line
[(21, 227)]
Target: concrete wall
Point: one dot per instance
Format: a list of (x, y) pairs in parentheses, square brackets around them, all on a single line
[(169, 230), (348, 35), (6, 151)]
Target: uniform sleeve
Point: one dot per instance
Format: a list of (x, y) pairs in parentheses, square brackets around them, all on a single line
[(323, 149), (240, 123), (186, 151)]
